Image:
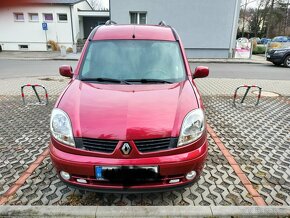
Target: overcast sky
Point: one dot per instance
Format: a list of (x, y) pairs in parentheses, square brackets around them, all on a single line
[(251, 3), (105, 3)]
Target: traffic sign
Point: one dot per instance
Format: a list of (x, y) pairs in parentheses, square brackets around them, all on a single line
[(44, 26)]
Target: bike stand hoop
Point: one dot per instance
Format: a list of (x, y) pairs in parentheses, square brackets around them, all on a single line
[(40, 102), (247, 87)]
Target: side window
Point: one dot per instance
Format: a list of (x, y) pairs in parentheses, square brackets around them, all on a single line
[(62, 17), (33, 17), (18, 16), (138, 17), (133, 17), (142, 18), (48, 17)]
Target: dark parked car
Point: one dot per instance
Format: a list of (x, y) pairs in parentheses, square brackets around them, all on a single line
[(279, 56)]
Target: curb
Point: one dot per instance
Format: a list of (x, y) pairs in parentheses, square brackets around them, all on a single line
[(144, 211)]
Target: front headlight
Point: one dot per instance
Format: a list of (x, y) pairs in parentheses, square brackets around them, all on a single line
[(60, 127), (279, 51), (192, 127)]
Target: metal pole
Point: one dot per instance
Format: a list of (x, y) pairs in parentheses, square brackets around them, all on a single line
[(251, 49), (72, 26), (46, 39)]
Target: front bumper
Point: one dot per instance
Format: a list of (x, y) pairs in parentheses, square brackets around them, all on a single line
[(171, 167), (275, 58)]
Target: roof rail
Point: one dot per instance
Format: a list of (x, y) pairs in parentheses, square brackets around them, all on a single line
[(162, 23), (91, 36), (110, 22)]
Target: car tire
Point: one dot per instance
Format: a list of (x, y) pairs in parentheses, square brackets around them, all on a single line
[(287, 61)]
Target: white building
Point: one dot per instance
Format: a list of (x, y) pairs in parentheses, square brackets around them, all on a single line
[(66, 20)]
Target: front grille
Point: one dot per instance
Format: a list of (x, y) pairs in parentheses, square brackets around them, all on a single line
[(152, 145), (98, 145), (108, 146)]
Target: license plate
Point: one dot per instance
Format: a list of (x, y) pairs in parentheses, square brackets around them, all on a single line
[(125, 173)]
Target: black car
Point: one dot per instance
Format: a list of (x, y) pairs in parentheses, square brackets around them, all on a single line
[(279, 56)]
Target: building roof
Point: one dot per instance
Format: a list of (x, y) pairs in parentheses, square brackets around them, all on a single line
[(61, 2), (141, 32)]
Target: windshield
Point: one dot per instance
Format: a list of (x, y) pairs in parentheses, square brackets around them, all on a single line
[(135, 60)]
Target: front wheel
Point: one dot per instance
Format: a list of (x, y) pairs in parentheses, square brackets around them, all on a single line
[(287, 61)]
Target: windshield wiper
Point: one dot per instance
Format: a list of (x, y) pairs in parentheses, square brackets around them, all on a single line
[(100, 79), (149, 81)]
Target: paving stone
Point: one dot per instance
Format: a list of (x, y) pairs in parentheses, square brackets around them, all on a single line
[(257, 137)]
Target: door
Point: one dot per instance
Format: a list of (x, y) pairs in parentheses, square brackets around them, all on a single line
[(91, 22)]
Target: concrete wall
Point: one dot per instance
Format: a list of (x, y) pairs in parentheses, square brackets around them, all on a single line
[(207, 27)]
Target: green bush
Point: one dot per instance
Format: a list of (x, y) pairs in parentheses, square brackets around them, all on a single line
[(259, 50)]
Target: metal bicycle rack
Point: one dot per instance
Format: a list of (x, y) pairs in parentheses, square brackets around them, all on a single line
[(40, 102), (247, 87)]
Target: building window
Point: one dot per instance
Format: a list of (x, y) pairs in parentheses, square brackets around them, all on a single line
[(62, 17), (23, 47), (33, 17), (48, 17), (138, 17), (18, 16)]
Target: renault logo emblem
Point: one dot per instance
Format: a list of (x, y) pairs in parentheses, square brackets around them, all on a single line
[(126, 148)]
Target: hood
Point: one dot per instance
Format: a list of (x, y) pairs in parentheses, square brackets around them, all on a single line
[(127, 112)]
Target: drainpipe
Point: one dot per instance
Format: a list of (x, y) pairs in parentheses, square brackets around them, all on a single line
[(233, 35), (110, 10), (72, 27)]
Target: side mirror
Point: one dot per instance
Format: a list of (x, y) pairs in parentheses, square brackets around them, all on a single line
[(200, 72), (66, 71)]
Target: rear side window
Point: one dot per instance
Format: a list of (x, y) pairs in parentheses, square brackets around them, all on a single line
[(134, 59)]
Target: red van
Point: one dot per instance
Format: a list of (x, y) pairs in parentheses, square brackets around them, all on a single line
[(131, 118)]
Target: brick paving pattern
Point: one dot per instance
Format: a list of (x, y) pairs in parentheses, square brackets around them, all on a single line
[(258, 138)]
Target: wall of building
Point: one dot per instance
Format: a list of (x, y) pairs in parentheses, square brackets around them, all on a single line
[(14, 33), (77, 19), (207, 27)]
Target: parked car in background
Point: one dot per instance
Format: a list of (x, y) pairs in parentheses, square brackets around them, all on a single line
[(265, 41), (131, 118), (279, 42), (279, 56), (280, 39)]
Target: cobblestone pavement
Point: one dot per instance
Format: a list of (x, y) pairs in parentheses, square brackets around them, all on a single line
[(258, 138)]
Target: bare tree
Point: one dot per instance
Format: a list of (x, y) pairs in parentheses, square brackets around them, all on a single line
[(96, 4), (268, 18)]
